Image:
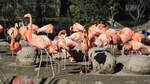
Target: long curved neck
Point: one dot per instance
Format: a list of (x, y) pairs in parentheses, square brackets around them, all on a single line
[(12, 43), (30, 29)]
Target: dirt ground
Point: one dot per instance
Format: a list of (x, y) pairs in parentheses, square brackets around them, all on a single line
[(9, 69)]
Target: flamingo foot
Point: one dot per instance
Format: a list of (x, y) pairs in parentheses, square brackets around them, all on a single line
[(81, 72), (86, 74), (36, 69)]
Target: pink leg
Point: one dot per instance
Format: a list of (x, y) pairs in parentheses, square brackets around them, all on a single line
[(46, 61), (51, 64), (38, 73), (64, 59), (12, 53)]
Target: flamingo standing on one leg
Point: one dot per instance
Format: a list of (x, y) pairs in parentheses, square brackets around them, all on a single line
[(39, 41)]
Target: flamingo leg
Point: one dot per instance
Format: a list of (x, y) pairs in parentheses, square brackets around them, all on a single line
[(53, 73), (38, 73), (12, 54), (58, 64), (84, 61), (46, 61), (64, 59), (113, 50), (89, 61)]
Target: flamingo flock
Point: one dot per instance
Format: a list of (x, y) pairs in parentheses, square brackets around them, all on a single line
[(97, 35)]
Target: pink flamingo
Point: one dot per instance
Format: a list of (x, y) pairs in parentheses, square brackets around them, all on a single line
[(47, 28), (39, 41), (134, 45), (22, 80), (1, 28), (13, 33), (77, 27)]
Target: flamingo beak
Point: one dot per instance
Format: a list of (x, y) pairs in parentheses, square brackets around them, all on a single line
[(25, 15)]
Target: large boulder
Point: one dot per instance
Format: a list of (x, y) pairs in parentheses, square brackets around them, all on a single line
[(137, 64), (26, 56), (77, 52), (102, 61)]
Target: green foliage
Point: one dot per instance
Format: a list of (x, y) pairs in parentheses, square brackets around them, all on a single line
[(85, 12), (88, 12)]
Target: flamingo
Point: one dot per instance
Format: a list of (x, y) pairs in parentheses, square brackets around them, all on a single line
[(62, 43), (14, 30), (97, 30), (134, 45), (85, 48), (139, 37), (34, 28), (77, 27), (112, 37), (15, 46), (22, 80), (47, 28), (13, 33), (101, 41), (125, 34), (23, 31), (76, 36), (1, 28), (101, 26), (40, 41)]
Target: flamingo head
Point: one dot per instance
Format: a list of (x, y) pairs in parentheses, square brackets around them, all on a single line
[(51, 28), (71, 28), (27, 15), (62, 32), (16, 25), (101, 26)]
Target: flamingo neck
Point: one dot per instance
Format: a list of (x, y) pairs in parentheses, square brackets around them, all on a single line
[(30, 29), (12, 43)]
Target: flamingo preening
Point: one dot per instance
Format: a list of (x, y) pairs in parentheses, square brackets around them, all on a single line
[(13, 33), (14, 30), (134, 45)]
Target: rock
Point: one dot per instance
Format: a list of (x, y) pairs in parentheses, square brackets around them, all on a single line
[(26, 56), (102, 61), (78, 53), (24, 43), (4, 44), (137, 64)]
